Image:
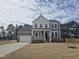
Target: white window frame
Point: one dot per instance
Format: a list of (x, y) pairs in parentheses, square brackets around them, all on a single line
[(54, 34), (54, 25), (35, 25)]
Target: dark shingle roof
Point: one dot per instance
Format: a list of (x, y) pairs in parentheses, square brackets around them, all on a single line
[(53, 20), (26, 28)]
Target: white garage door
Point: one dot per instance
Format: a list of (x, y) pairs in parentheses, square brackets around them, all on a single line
[(25, 38)]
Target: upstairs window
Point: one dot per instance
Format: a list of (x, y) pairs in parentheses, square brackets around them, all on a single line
[(55, 25), (40, 25), (35, 25), (52, 26), (46, 26)]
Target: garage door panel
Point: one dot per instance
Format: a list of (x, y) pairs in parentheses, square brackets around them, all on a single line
[(25, 38)]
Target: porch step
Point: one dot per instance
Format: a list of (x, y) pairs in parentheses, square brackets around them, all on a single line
[(38, 41)]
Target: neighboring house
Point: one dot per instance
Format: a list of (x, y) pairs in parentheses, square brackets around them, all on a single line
[(24, 34), (45, 30), (70, 29)]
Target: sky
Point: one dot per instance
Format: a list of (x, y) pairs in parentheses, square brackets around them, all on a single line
[(25, 11)]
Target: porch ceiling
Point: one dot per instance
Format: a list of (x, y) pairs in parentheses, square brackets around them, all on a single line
[(41, 29)]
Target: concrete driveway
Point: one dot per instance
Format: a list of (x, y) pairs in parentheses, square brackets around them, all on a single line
[(8, 48)]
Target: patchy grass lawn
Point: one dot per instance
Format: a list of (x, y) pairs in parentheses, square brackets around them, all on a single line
[(72, 40), (45, 51), (2, 42)]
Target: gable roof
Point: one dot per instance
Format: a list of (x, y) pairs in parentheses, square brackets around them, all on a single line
[(41, 16)]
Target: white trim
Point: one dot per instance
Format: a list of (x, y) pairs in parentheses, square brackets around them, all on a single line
[(54, 34), (54, 25)]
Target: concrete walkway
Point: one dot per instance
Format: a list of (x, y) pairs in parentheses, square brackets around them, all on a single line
[(8, 48)]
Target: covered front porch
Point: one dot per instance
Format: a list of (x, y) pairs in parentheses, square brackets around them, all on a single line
[(41, 35), (45, 35)]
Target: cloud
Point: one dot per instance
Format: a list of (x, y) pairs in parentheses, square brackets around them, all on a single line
[(64, 10), (25, 11), (15, 11)]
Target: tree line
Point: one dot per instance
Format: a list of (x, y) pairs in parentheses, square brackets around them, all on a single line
[(70, 30), (10, 32)]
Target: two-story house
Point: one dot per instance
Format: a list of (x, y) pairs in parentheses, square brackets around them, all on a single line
[(44, 30)]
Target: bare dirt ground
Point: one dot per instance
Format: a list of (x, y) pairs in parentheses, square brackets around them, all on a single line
[(46, 51), (2, 42)]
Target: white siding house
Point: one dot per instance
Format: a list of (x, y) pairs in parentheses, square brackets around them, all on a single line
[(45, 30), (42, 30)]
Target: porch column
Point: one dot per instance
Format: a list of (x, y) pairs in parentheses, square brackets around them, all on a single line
[(50, 36), (44, 36), (32, 32), (39, 34)]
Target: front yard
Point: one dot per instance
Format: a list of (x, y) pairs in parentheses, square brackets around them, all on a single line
[(2, 42), (45, 51)]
